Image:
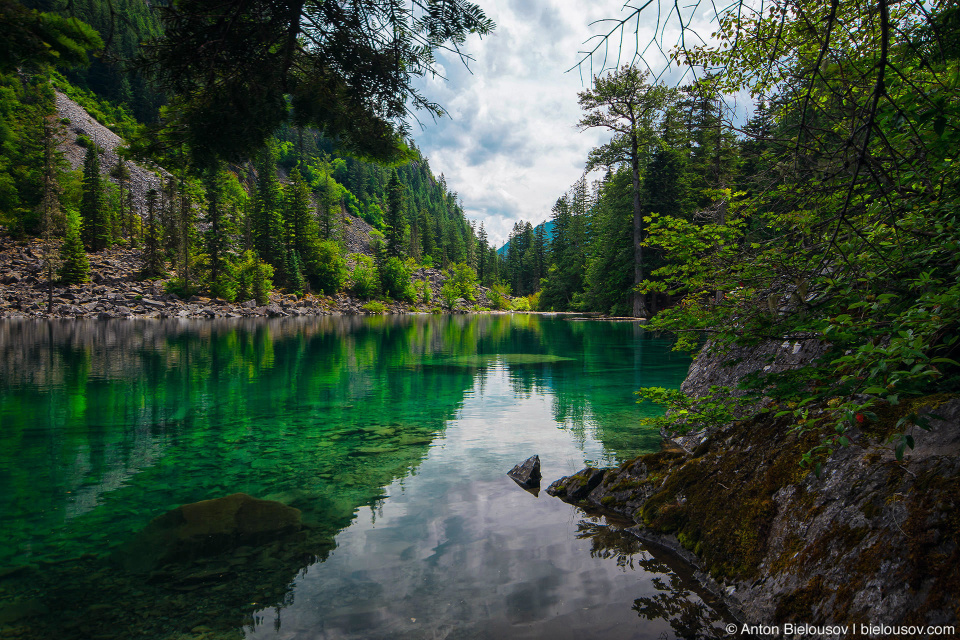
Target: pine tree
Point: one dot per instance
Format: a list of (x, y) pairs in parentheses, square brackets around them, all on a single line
[(396, 215), (218, 241), (153, 262), (94, 213), (74, 268), (266, 219)]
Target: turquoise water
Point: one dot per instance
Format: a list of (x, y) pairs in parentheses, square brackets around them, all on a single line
[(392, 435)]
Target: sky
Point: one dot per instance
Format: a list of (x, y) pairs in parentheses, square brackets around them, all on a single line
[(510, 145)]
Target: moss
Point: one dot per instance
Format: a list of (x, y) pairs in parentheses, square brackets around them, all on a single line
[(733, 527), (888, 415), (606, 501), (703, 448), (628, 485), (932, 530), (799, 605)]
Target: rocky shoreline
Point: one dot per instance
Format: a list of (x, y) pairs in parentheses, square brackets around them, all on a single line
[(871, 541), (115, 292)]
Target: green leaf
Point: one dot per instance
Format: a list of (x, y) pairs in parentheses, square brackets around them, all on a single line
[(940, 125)]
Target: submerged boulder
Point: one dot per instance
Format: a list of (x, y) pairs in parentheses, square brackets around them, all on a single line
[(527, 473), (207, 528)]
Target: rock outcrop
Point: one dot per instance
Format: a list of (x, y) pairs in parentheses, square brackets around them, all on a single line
[(872, 540)]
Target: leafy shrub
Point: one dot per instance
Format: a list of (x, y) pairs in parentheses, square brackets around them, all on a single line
[(395, 280), (253, 279), (499, 295), (521, 304), (375, 307), (363, 278), (462, 279), (423, 291), (329, 271)]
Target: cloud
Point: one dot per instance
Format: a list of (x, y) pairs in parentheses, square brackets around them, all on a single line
[(510, 145)]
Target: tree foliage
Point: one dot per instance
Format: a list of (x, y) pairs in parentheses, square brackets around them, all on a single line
[(346, 67)]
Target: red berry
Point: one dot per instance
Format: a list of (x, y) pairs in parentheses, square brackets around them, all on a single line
[(860, 418)]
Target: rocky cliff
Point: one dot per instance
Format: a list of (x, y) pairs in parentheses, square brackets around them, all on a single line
[(871, 541)]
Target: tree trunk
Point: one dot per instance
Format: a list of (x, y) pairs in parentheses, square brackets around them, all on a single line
[(639, 302)]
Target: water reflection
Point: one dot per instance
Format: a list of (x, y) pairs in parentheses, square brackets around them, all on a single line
[(408, 422)]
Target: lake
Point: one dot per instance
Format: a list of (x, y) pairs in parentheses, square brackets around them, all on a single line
[(392, 435)]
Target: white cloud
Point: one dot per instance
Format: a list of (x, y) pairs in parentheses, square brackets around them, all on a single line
[(510, 145)]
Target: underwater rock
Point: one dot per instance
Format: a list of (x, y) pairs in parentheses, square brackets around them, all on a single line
[(578, 486), (207, 528), (527, 474)]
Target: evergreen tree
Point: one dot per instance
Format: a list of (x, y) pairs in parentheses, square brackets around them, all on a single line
[(218, 241), (396, 215), (93, 204), (266, 219), (153, 263), (623, 103), (74, 266)]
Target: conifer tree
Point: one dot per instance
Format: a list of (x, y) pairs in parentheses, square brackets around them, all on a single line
[(125, 212), (396, 215), (266, 219), (94, 213), (153, 239), (217, 238), (49, 204), (74, 266)]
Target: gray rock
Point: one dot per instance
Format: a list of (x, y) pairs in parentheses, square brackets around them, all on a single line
[(249, 304), (578, 486), (527, 473)]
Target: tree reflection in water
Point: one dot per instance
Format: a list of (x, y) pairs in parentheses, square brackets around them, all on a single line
[(679, 600)]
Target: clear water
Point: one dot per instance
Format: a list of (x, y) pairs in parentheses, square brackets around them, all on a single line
[(391, 435)]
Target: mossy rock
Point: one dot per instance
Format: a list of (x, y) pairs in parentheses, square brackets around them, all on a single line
[(207, 528)]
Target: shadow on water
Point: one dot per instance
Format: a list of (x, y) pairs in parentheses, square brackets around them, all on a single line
[(106, 425)]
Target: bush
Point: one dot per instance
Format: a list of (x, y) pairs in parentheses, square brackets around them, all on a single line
[(253, 279), (375, 307), (181, 288), (499, 295), (424, 292), (521, 304), (534, 300), (462, 279), (449, 294), (225, 285), (363, 278), (395, 280), (329, 272)]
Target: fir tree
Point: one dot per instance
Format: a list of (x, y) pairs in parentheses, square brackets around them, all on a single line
[(93, 205), (396, 215), (152, 240), (74, 268), (266, 219)]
